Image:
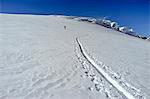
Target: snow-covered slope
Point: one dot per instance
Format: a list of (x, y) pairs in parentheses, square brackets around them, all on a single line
[(40, 58)]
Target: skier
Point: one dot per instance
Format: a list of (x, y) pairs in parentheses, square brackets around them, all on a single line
[(65, 27)]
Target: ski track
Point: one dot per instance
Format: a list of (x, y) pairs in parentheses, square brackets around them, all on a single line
[(122, 89)]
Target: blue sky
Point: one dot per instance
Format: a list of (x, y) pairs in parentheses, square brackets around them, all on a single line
[(132, 13)]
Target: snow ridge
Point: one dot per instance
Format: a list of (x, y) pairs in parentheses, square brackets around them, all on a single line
[(103, 73), (109, 24)]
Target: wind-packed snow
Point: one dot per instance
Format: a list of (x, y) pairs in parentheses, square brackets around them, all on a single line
[(105, 75), (40, 59)]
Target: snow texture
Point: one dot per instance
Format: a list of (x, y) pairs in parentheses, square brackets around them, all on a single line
[(41, 59)]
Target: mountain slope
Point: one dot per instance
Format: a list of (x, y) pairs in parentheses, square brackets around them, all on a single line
[(39, 58)]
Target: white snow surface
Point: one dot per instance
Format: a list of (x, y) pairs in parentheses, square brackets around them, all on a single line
[(103, 73), (40, 59)]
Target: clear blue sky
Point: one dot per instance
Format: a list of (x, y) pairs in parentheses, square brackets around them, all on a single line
[(132, 13)]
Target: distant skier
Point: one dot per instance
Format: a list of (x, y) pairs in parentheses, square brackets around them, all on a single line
[(65, 27)]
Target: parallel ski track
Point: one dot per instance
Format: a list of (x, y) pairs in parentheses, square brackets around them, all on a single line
[(103, 73)]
